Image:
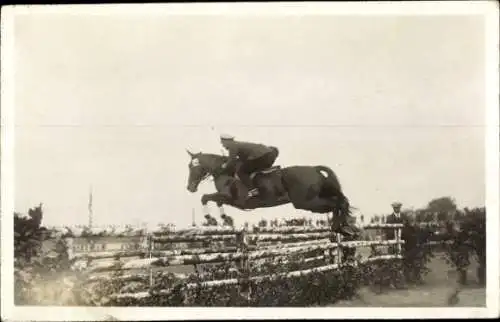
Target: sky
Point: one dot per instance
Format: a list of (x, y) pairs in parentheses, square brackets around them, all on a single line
[(395, 105)]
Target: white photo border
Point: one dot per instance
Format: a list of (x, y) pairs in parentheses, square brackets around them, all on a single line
[(489, 9)]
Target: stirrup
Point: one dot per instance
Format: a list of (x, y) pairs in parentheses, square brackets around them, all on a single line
[(252, 193)]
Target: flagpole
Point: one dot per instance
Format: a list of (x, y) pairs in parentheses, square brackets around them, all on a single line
[(90, 209)]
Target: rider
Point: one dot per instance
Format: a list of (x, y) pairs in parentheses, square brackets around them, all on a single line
[(252, 157)]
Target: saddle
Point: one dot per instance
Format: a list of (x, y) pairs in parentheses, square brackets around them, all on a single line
[(265, 171)]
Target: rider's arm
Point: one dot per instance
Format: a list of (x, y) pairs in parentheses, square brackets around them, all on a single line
[(233, 157), (231, 162)]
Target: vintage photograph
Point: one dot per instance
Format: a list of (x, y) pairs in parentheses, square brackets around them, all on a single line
[(203, 156)]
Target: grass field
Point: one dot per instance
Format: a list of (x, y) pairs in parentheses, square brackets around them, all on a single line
[(439, 284)]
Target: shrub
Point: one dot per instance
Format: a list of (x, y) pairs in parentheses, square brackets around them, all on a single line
[(468, 240), (39, 275)]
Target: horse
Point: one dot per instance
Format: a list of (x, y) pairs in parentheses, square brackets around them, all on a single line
[(312, 188)]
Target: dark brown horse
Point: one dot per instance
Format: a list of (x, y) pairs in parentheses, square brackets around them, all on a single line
[(312, 188)]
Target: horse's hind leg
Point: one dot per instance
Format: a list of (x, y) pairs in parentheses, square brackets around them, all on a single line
[(321, 205)]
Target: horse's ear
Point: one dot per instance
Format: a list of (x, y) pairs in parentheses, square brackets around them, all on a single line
[(191, 154)]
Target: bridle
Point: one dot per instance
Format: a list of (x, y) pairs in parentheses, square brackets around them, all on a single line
[(211, 173)]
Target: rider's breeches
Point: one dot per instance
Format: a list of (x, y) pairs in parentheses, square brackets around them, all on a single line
[(250, 166)]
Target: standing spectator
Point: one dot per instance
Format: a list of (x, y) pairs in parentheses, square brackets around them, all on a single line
[(228, 221), (394, 218), (211, 221)]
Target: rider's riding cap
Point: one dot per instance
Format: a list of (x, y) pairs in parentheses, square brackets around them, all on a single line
[(226, 137)]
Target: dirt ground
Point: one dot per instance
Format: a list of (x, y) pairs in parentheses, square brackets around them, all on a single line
[(439, 285)]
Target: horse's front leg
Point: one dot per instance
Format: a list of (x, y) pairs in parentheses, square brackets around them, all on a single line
[(219, 198)]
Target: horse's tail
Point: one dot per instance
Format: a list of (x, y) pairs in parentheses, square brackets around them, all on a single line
[(335, 187)]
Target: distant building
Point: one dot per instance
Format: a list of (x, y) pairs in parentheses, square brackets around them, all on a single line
[(88, 245)]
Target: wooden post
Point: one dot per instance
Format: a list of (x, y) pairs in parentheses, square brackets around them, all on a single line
[(244, 264), (150, 249), (70, 247), (339, 249), (397, 234), (247, 269)]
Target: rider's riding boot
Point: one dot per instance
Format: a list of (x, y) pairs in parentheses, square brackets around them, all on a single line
[(245, 179)]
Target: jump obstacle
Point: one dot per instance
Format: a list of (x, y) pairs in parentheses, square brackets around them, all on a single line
[(243, 246)]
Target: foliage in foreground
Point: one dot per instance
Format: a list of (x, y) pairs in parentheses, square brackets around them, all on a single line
[(318, 288), (40, 275)]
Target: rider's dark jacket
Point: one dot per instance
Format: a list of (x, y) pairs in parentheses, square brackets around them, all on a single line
[(245, 151)]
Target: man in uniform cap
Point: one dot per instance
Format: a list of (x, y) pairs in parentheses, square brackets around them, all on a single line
[(394, 218), (250, 157)]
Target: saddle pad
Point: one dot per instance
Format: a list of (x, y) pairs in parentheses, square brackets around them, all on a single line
[(271, 169)]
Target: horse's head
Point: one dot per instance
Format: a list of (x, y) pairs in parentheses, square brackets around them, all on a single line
[(202, 166)]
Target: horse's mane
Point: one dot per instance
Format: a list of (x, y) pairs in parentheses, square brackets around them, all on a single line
[(214, 159), (216, 156)]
